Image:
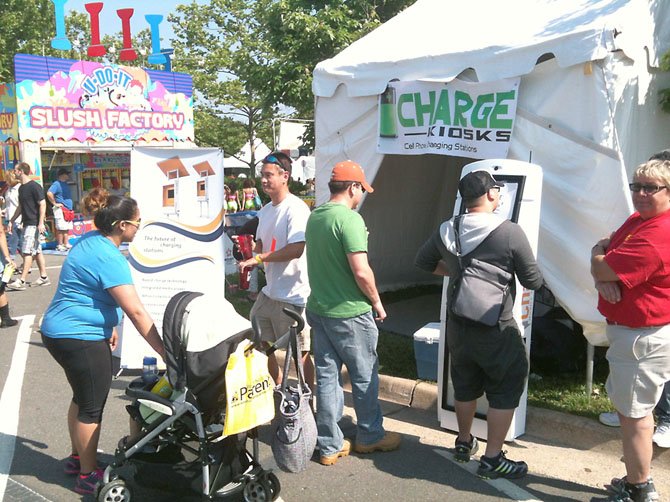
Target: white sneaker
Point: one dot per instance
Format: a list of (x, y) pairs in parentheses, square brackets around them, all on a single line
[(61, 248), (662, 435), (17, 285), (42, 281), (609, 418)]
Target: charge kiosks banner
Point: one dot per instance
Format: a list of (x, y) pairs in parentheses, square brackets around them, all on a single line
[(458, 118), (64, 99), (179, 246), (520, 202)]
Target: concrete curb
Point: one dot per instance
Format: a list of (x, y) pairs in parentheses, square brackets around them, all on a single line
[(542, 425)]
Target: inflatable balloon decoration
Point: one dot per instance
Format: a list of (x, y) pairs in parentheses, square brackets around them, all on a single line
[(96, 49)]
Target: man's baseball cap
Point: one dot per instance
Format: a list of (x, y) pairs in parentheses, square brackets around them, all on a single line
[(348, 170), (477, 183), (63, 171)]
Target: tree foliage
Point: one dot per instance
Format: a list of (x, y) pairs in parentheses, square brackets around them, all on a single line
[(301, 33), (26, 28), (664, 94), (251, 58)]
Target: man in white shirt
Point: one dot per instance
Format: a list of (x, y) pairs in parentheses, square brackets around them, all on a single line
[(280, 247)]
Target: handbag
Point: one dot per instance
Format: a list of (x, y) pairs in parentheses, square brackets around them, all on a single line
[(294, 427), (257, 202), (481, 291), (249, 401), (68, 214)]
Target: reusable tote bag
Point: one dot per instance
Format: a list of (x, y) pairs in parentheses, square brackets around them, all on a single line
[(249, 386), (481, 291), (294, 427)]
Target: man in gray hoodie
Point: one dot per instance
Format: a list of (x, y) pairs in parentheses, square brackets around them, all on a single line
[(484, 359)]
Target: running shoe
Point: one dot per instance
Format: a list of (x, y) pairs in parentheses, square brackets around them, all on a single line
[(42, 281), (17, 285), (72, 465), (623, 491), (662, 435), (464, 450), (87, 484), (501, 467)]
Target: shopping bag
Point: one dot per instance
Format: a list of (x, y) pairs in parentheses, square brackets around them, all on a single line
[(249, 401), (68, 214), (294, 427)]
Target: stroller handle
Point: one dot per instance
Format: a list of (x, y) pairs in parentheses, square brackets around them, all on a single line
[(296, 317)]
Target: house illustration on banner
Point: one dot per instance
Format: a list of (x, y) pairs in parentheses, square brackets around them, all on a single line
[(204, 170), (174, 169)]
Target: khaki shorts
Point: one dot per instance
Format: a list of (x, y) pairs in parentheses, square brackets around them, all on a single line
[(639, 367), (273, 323)]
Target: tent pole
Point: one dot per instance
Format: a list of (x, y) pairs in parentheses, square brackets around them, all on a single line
[(590, 349)]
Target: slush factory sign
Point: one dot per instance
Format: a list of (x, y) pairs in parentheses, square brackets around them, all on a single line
[(458, 118)]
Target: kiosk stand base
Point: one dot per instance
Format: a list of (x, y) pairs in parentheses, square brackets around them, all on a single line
[(479, 428)]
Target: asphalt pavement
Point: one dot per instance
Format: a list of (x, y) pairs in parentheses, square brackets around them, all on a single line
[(570, 458)]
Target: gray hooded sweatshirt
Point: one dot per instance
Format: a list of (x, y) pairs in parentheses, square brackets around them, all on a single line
[(487, 237)]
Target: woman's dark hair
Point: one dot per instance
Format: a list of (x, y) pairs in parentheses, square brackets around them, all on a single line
[(115, 208), (248, 183)]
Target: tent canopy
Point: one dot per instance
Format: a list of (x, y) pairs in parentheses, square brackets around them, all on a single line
[(438, 39), (243, 157)]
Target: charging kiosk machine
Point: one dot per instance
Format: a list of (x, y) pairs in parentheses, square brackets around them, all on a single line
[(520, 202)]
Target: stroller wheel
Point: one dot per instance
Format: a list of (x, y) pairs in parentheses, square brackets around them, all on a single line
[(114, 491), (257, 490), (273, 482)]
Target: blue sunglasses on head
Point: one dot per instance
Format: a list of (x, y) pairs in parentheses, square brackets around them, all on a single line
[(271, 159)]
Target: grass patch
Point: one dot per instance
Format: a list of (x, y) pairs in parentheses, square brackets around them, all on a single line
[(396, 355), (567, 393), (561, 392), (409, 293)]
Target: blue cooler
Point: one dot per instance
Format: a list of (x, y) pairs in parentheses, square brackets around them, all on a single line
[(426, 343)]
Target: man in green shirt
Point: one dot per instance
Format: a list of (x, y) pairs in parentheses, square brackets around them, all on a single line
[(342, 309)]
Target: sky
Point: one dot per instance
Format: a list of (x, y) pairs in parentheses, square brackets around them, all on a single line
[(110, 22)]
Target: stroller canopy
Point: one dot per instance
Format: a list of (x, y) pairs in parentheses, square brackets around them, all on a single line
[(200, 332)]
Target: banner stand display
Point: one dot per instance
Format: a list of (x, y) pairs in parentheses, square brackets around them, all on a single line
[(180, 243), (520, 202)]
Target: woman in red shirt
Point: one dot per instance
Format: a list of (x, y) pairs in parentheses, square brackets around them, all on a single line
[(632, 273)]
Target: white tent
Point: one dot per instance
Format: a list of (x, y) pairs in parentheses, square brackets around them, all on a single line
[(303, 168), (243, 157), (587, 113)]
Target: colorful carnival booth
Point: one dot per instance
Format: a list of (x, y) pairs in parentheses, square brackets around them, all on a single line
[(128, 130), (87, 117)]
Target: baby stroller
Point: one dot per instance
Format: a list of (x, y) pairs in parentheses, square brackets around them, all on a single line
[(188, 453)]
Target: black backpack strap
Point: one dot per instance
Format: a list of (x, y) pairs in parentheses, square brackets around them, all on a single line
[(457, 239)]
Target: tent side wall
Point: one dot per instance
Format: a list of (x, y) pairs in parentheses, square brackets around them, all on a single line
[(413, 195), (564, 124)]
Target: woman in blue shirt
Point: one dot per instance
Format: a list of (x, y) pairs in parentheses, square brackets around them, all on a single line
[(78, 329)]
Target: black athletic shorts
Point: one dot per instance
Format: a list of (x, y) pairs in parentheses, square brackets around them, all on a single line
[(88, 368), (489, 360)]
